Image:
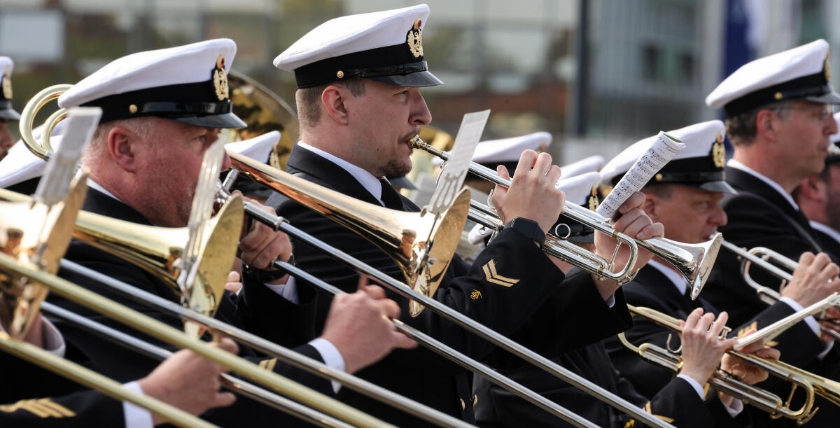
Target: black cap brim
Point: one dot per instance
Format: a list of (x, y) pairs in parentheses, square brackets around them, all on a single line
[(420, 79), (829, 98), (227, 120), (9, 114), (402, 183), (717, 186)]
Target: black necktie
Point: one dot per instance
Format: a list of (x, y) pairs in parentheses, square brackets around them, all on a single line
[(390, 196)]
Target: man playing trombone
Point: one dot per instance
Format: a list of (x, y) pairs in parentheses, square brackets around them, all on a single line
[(144, 162), (359, 104)]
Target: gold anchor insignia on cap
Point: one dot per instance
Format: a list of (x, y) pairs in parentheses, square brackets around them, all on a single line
[(592, 199), (718, 152), (827, 69), (7, 84), (414, 39), (220, 82)]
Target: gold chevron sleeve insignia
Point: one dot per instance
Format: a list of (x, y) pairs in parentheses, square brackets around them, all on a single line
[(493, 277), (43, 408), (665, 419), (268, 364)]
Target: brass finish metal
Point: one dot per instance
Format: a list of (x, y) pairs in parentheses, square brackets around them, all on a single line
[(96, 381), (765, 258), (811, 384), (177, 338), (45, 234), (421, 244), (157, 249)]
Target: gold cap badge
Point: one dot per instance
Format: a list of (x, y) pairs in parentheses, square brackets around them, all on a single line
[(414, 39), (220, 82), (827, 69), (7, 85), (718, 152), (592, 199)]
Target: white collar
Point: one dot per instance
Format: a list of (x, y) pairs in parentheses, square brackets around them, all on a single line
[(677, 279), (738, 165), (366, 179), (835, 235), (94, 185)]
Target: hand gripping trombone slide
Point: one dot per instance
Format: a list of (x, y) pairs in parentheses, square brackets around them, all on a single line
[(302, 191)]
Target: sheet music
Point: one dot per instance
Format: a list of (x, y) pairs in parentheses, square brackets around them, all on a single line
[(660, 153), (452, 177)]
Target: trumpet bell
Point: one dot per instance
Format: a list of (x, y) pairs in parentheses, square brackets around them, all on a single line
[(694, 261), (421, 244)]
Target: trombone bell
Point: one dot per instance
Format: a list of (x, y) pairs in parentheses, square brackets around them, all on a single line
[(421, 244)]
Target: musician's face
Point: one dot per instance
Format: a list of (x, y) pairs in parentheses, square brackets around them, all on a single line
[(171, 169), (384, 119), (803, 135), (689, 214)]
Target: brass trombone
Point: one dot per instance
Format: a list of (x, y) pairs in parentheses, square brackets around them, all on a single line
[(326, 201), (154, 249), (694, 261), (180, 339), (724, 382), (427, 259), (765, 258)]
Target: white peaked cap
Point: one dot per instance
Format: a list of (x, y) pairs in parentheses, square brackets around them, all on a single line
[(590, 164), (507, 150), (799, 73), (699, 164), (384, 46), (257, 148), (184, 83), (577, 188)]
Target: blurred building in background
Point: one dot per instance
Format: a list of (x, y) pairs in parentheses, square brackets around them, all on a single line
[(647, 64)]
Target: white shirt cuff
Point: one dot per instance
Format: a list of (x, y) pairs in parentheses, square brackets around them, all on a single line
[(288, 290), (332, 358), (136, 416), (611, 301), (53, 340), (736, 409), (694, 384)]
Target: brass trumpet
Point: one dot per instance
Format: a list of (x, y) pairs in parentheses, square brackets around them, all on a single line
[(765, 258), (694, 261), (724, 382)]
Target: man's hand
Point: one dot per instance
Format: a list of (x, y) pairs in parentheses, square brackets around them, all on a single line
[(814, 278), (702, 346), (743, 371), (631, 220), (533, 193), (359, 326), (260, 246), (234, 282), (189, 382)]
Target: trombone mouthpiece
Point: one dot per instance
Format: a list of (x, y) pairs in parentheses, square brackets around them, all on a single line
[(416, 142)]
